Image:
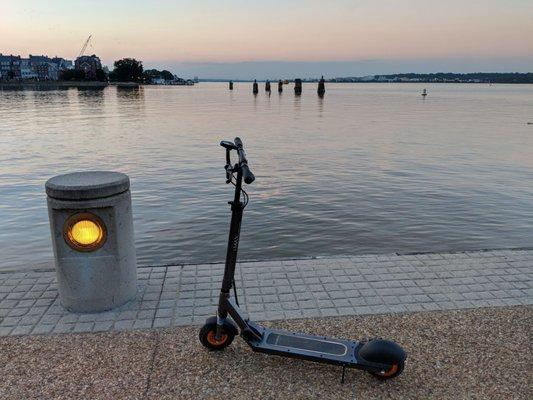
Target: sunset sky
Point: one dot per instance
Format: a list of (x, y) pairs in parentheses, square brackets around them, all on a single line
[(245, 38)]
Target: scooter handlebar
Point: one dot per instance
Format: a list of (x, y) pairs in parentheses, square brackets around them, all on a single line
[(238, 142), (247, 174)]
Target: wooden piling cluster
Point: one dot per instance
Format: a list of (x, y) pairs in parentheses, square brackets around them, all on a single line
[(321, 90)]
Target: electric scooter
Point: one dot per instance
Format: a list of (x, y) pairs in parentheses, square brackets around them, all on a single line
[(382, 358)]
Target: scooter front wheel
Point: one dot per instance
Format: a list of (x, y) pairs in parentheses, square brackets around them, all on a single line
[(209, 340)]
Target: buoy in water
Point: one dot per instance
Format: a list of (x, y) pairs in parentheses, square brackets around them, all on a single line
[(424, 93)]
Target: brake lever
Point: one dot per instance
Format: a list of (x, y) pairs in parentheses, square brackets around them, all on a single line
[(229, 171), (228, 168)]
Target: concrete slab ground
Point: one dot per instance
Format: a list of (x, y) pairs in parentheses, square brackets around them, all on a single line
[(480, 353), (272, 290)]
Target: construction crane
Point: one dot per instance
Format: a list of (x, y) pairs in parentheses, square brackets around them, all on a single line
[(85, 46)]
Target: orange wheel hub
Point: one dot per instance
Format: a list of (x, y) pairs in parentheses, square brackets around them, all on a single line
[(211, 338), (391, 371)]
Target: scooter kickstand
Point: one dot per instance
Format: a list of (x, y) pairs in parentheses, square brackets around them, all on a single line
[(343, 373)]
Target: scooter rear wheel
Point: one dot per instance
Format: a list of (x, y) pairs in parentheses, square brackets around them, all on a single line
[(392, 372), (384, 352), (208, 338)]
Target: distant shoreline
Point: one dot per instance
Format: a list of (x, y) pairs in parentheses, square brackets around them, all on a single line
[(439, 77), (334, 81), (101, 85)]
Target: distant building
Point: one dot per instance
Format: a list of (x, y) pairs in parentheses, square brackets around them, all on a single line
[(88, 64), (9, 66), (6, 66), (63, 64), (15, 67), (42, 68), (46, 71), (26, 70)]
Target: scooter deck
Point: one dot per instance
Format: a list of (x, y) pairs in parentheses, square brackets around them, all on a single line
[(309, 347)]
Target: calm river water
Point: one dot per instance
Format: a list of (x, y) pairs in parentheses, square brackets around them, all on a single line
[(371, 168)]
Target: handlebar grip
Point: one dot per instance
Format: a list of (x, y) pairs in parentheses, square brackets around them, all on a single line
[(247, 175)]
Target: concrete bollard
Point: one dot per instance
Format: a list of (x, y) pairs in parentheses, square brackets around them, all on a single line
[(321, 87), (297, 87), (255, 87), (92, 234), (280, 86), (230, 85), (267, 86)]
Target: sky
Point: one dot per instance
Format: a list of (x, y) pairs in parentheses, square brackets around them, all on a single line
[(238, 39)]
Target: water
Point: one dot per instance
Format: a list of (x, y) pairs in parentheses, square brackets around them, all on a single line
[(371, 168)]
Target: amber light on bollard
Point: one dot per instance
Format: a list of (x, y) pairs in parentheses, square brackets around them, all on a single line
[(84, 232)]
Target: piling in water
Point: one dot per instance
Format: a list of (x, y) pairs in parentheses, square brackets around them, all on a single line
[(280, 86), (321, 86), (230, 85), (297, 87), (267, 86)]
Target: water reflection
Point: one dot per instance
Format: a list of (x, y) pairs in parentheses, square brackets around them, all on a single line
[(320, 106), (130, 99), (33, 87), (369, 169), (93, 96), (297, 103), (10, 88), (128, 94), (90, 90)]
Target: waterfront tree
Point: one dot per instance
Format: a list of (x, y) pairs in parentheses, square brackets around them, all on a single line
[(127, 70), (167, 75), (150, 75), (72, 75), (101, 76)]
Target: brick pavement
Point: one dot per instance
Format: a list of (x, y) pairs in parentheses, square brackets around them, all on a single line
[(270, 290)]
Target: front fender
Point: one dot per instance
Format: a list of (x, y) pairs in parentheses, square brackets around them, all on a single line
[(228, 324)]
